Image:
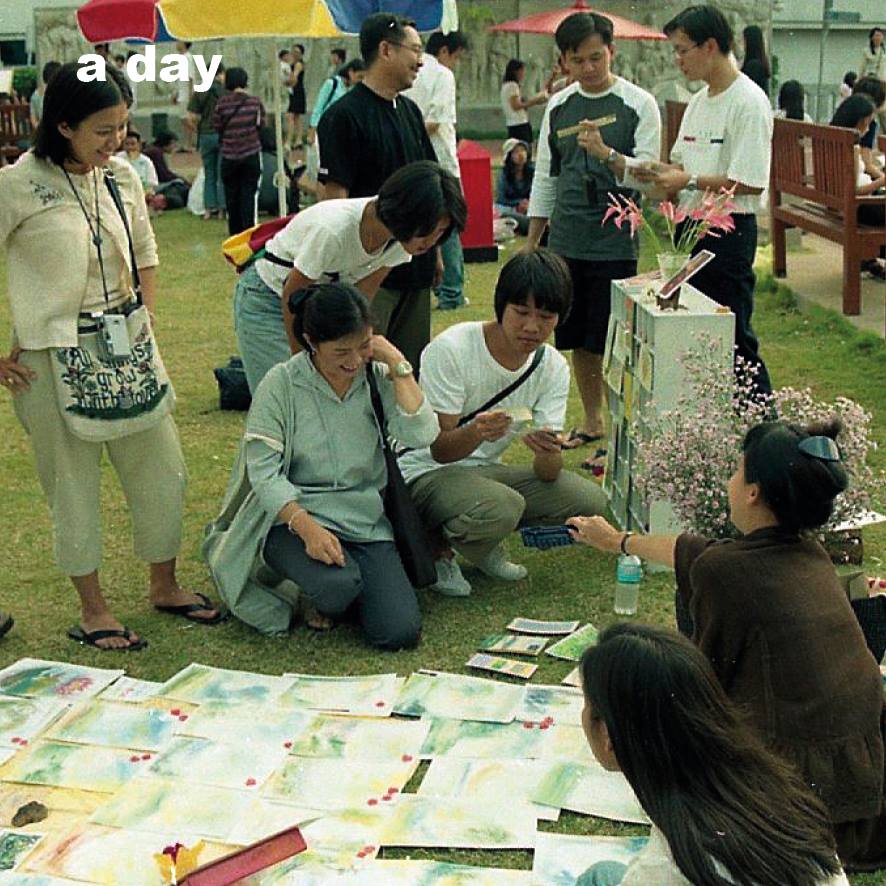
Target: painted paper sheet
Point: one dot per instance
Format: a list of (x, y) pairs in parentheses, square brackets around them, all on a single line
[(85, 767), (23, 719), (563, 858), (203, 761), (158, 806), (573, 678), (467, 779), (361, 738), (590, 790), (340, 784), (572, 647), (409, 872), (264, 818), (116, 725), (199, 684), (64, 807), (560, 705), (370, 695), (131, 690), (318, 867), (266, 723), (458, 697), (491, 823), (15, 846), (110, 856), (497, 741), (18, 878), (36, 678), (355, 830)]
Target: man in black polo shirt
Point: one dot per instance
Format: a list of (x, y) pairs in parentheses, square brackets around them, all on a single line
[(364, 137)]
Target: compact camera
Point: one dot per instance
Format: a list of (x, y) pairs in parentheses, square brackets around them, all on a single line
[(113, 338)]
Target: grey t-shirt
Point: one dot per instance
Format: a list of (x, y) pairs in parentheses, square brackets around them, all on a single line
[(571, 187)]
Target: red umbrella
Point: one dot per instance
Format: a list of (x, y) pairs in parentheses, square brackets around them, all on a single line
[(548, 22), (104, 20)]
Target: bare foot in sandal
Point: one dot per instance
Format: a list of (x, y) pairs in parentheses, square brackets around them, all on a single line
[(316, 621)]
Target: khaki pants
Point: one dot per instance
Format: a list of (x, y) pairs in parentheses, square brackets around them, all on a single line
[(150, 466), (404, 318), (476, 507)]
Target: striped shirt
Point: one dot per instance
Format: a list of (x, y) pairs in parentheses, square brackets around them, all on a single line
[(237, 119)]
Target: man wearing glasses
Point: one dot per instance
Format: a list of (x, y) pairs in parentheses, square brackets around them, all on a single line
[(723, 142), (365, 137)]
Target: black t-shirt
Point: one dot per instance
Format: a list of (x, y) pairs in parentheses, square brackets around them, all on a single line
[(365, 138)]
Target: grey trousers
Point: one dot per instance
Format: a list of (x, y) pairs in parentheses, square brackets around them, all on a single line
[(372, 578), (149, 465), (404, 318), (477, 507)]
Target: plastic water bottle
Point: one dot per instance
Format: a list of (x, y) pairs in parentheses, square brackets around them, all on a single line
[(627, 584)]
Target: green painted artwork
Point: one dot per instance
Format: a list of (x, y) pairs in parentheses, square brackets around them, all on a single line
[(116, 725), (35, 678), (14, 847), (199, 684), (436, 694), (370, 695), (556, 705), (571, 648), (360, 738)]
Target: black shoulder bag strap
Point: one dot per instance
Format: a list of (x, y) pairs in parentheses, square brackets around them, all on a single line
[(114, 190), (536, 361)]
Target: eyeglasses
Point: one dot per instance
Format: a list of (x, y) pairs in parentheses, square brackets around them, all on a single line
[(416, 50), (680, 51)]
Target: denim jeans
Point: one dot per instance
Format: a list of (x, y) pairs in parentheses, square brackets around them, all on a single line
[(258, 322), (213, 189), (450, 292)]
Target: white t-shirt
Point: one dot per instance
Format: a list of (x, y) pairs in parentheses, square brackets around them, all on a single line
[(186, 86), (512, 117), (728, 134), (459, 375), (434, 93), (781, 114), (144, 169), (655, 864), (285, 73), (323, 242)]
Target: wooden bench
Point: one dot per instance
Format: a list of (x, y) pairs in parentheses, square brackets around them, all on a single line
[(15, 127), (826, 203), (673, 117)]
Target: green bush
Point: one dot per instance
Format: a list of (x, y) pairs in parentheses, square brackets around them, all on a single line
[(24, 82)]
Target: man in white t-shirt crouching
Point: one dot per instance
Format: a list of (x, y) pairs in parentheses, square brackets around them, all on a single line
[(459, 484)]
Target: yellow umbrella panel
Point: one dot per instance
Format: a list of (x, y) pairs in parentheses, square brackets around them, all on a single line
[(208, 19)]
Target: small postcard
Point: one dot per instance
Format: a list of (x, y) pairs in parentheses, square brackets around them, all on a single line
[(571, 648), (645, 366), (521, 669), (599, 122), (519, 415), (534, 626), (514, 644), (573, 678), (14, 846), (692, 266)]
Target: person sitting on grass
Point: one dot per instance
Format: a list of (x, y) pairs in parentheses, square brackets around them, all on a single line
[(515, 184), (459, 485), (355, 240), (306, 490), (141, 164), (768, 611), (724, 809)]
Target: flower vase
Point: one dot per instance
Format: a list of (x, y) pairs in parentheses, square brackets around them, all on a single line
[(669, 263)]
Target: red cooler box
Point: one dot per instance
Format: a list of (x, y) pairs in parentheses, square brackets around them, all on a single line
[(475, 163)]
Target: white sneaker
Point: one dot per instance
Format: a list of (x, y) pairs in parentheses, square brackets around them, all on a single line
[(450, 582), (497, 565)]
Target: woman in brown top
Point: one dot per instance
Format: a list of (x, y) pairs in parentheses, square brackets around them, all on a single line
[(772, 618)]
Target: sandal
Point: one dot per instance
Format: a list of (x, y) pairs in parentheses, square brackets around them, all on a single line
[(187, 610), (316, 621), (91, 638), (576, 439), (596, 464)]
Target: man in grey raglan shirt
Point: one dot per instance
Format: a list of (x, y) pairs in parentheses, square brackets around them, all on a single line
[(608, 120)]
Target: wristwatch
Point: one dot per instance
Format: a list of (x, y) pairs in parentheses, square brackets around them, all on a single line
[(401, 369), (611, 157), (692, 184)]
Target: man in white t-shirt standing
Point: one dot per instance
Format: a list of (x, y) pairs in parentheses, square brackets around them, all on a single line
[(724, 141), (459, 484), (434, 93)]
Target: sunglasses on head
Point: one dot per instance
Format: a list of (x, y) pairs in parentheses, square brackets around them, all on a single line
[(820, 447)]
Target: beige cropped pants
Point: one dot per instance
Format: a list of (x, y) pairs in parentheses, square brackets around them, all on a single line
[(149, 465)]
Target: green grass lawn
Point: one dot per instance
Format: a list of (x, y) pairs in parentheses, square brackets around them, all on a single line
[(195, 331)]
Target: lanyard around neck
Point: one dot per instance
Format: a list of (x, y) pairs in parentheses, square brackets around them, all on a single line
[(95, 232)]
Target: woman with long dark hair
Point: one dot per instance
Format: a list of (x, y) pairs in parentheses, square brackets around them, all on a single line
[(514, 106), (756, 62), (857, 112), (768, 611), (792, 101), (71, 243), (515, 183), (724, 810)]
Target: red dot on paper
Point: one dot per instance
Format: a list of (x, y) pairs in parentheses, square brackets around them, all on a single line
[(23, 742), (544, 725), (134, 759), (361, 854), (183, 717), (16, 740), (369, 849), (372, 802), (527, 724), (393, 790), (407, 758), (386, 798), (175, 712), (379, 704), (146, 756), (287, 744), (250, 782)]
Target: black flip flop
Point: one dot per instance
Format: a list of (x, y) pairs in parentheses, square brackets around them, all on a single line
[(187, 610), (91, 638), (6, 624), (577, 439)]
